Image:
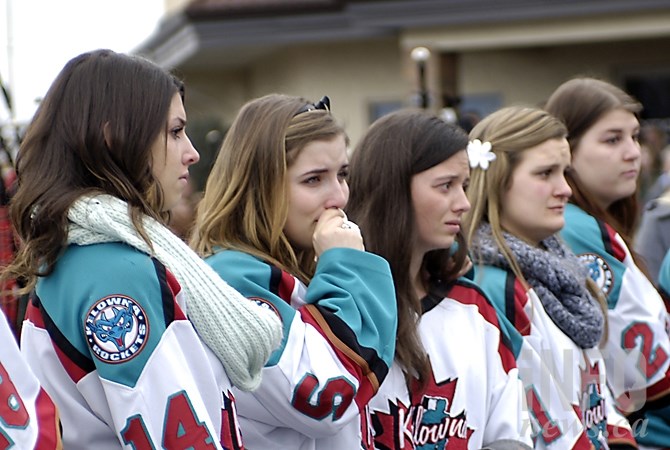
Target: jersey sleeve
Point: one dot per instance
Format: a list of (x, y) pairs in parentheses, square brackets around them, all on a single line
[(555, 418), (637, 351), (125, 356), (28, 416), (339, 337), (664, 279)]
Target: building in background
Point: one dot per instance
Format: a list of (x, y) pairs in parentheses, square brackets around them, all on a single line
[(484, 54)]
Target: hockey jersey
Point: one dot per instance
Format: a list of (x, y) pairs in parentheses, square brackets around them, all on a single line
[(28, 417), (339, 341), (664, 279), (107, 336), (474, 396), (565, 386), (637, 352)]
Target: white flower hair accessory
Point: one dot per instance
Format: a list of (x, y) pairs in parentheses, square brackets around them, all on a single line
[(480, 154)]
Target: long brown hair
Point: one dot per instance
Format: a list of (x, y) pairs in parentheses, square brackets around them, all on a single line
[(395, 148), (245, 204), (580, 103), (66, 153)]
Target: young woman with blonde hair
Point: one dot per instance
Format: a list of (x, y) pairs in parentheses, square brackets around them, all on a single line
[(271, 224), (535, 281)]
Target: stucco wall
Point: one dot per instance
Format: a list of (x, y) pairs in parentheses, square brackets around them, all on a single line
[(352, 74), (357, 74), (529, 75)]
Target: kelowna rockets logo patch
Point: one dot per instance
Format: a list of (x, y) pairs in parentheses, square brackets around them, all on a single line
[(431, 423), (599, 271), (116, 329)]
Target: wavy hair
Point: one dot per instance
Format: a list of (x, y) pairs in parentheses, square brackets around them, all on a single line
[(580, 103), (92, 133), (245, 204), (394, 149)]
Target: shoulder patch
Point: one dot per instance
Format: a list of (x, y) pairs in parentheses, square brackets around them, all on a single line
[(599, 271), (116, 329)]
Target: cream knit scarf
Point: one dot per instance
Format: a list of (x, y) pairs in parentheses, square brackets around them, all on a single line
[(241, 334)]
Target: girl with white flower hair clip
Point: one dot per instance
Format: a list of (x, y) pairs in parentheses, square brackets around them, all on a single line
[(535, 281)]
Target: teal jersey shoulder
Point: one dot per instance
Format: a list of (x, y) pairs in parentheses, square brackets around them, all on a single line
[(594, 243), (351, 286), (664, 277), (501, 289), (260, 281), (107, 302), (358, 288)]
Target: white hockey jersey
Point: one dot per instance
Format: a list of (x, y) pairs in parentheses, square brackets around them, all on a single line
[(637, 352), (565, 386), (107, 337), (28, 417), (339, 341), (474, 397)]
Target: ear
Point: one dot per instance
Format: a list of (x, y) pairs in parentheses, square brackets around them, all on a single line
[(107, 134)]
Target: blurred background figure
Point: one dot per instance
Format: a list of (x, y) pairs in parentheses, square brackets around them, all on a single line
[(653, 237), (662, 181), (653, 139), (603, 132)]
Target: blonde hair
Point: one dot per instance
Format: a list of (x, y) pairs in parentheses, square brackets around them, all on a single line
[(511, 131), (245, 203)]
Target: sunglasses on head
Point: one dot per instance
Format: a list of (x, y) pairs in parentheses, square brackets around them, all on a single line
[(323, 104)]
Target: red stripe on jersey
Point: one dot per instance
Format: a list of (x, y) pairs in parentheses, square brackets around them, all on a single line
[(286, 286), (354, 363), (620, 436), (469, 296), (48, 422), (34, 316), (520, 319), (617, 250), (583, 442), (75, 372), (660, 389), (175, 287)]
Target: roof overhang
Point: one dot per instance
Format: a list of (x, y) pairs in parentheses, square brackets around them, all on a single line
[(199, 40)]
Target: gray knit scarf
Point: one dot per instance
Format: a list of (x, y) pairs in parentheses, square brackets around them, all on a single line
[(558, 278)]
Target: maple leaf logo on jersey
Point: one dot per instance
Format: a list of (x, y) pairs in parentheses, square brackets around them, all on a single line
[(436, 426), (429, 423), (593, 406), (393, 430)]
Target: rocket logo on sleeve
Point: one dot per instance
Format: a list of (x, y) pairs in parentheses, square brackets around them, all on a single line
[(116, 329), (599, 271)]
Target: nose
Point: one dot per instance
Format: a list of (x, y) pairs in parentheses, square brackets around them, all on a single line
[(563, 189), (338, 195), (461, 203), (191, 154), (632, 151)]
